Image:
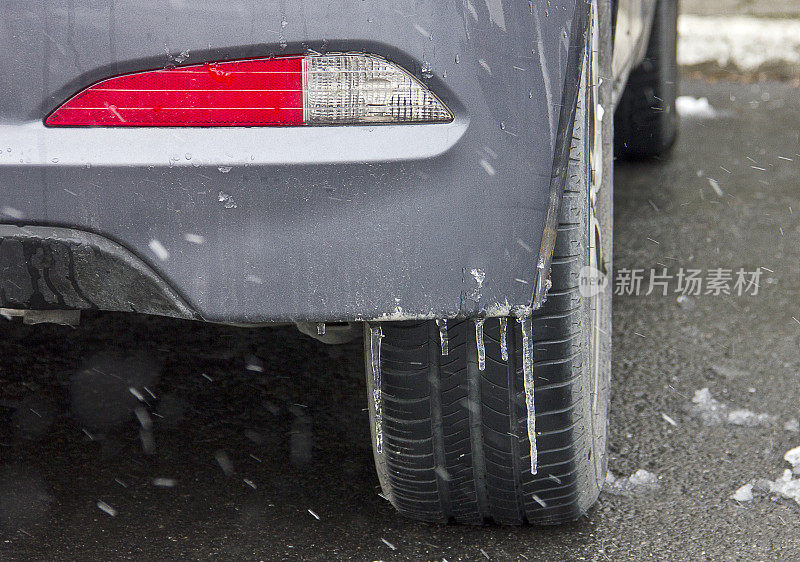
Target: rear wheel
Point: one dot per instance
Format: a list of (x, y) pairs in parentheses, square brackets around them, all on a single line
[(646, 121), (450, 430)]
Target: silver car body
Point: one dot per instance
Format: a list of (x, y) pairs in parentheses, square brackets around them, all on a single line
[(272, 224)]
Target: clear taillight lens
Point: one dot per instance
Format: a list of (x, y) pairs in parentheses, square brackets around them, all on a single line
[(345, 89), (354, 88)]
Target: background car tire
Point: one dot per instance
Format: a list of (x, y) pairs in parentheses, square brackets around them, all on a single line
[(646, 121), (453, 438)]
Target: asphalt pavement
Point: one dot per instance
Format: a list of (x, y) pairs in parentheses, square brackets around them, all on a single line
[(253, 444)]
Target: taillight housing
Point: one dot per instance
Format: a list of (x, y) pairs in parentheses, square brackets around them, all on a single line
[(334, 89)]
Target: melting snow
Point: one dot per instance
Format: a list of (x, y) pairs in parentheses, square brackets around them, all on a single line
[(727, 372), (227, 200), (786, 486), (747, 43), (749, 419), (793, 458), (743, 494), (713, 412), (639, 481), (699, 108), (479, 276)]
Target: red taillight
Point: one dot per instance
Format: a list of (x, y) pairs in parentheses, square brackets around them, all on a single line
[(244, 93), (346, 88)]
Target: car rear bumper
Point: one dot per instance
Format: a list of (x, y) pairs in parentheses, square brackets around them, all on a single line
[(46, 268), (448, 235), (320, 223)]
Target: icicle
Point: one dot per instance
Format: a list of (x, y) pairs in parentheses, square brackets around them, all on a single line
[(503, 343), (376, 334), (442, 323), (320, 328), (527, 376), (479, 340)]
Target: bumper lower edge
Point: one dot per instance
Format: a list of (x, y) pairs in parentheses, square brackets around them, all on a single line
[(51, 268)]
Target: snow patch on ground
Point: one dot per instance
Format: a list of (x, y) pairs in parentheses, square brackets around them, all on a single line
[(697, 108), (713, 412), (786, 486), (639, 481), (726, 372), (793, 458), (747, 43), (744, 494)]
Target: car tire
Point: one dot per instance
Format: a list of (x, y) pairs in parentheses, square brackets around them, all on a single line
[(646, 120), (450, 439)]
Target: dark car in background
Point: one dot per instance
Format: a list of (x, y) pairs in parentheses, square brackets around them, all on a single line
[(436, 175)]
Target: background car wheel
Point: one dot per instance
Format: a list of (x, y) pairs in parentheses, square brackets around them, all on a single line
[(451, 440), (646, 121)]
